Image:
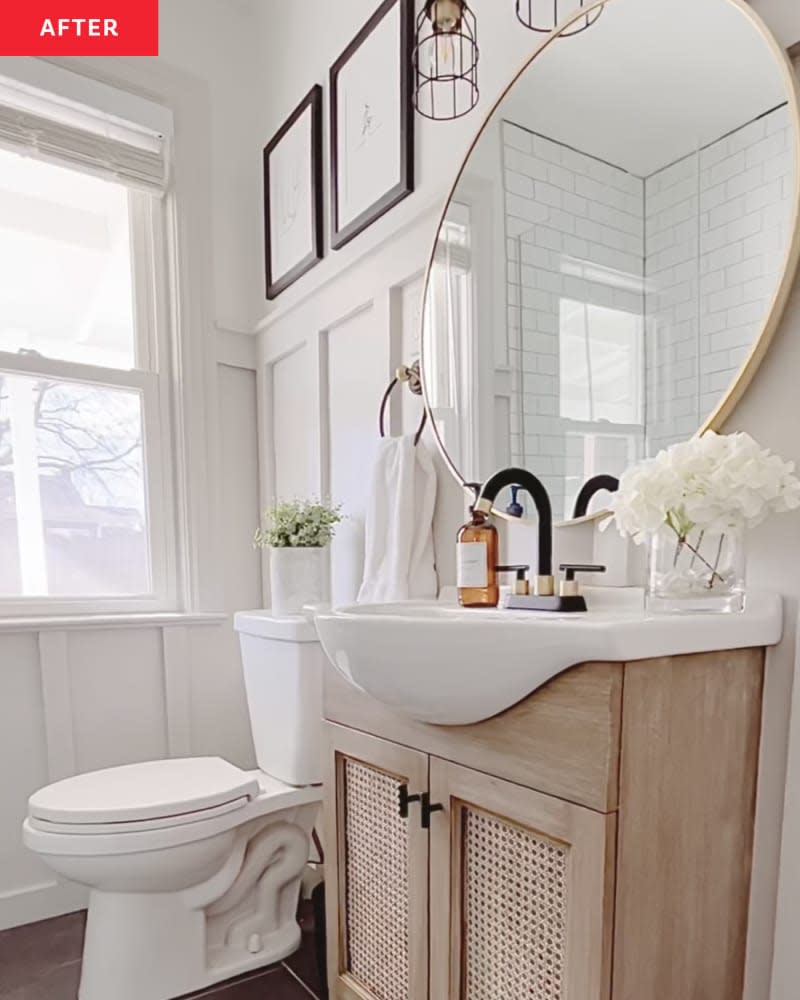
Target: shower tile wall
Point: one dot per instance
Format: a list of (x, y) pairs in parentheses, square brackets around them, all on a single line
[(671, 303), (564, 211), (704, 236), (702, 320)]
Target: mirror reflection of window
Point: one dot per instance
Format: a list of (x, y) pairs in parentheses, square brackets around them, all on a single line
[(601, 395), (449, 310), (578, 275), (601, 364)]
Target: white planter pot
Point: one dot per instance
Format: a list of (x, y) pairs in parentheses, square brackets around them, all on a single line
[(296, 578)]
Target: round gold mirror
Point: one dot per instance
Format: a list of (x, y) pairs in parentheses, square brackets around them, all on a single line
[(617, 250)]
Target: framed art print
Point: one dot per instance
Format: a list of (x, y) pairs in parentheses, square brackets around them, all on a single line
[(293, 196), (372, 122)]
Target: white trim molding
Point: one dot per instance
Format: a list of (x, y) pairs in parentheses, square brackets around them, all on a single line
[(77, 89), (40, 901), (237, 349), (82, 623)]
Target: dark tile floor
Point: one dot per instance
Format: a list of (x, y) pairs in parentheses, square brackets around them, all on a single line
[(42, 962)]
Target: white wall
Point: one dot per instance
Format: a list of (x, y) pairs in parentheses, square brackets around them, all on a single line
[(77, 698), (300, 42), (353, 305), (783, 19), (769, 411), (359, 288), (365, 287)]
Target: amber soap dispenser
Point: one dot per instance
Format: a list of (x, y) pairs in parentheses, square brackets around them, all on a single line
[(477, 560)]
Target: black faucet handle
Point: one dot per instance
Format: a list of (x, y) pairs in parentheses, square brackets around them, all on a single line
[(570, 569), (592, 486)]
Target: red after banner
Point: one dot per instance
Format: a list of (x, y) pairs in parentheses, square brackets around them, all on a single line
[(79, 28)]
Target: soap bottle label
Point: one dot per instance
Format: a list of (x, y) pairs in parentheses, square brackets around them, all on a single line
[(473, 565)]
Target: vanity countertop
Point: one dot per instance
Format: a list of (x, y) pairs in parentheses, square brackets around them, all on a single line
[(442, 664)]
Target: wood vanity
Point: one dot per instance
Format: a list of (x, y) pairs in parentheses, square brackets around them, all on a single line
[(594, 842)]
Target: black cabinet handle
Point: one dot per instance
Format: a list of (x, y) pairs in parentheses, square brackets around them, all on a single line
[(405, 799), (427, 809)]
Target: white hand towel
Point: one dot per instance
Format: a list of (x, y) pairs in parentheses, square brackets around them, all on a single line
[(399, 563)]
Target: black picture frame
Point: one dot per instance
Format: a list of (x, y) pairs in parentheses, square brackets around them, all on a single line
[(275, 284), (343, 234)]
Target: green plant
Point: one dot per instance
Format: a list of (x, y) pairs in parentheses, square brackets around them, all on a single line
[(293, 524)]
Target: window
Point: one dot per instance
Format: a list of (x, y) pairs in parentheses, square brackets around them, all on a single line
[(84, 389), (601, 364)]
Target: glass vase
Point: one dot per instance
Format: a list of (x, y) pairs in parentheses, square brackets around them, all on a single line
[(700, 571)]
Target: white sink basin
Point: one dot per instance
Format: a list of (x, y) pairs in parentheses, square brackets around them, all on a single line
[(442, 664)]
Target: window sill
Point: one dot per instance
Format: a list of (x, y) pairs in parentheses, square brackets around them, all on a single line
[(49, 623)]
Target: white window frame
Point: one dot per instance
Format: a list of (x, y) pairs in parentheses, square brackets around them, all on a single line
[(154, 379)]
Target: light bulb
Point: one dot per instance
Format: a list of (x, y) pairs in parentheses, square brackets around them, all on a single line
[(443, 55), (446, 15)]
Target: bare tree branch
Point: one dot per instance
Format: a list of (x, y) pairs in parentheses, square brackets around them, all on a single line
[(71, 441)]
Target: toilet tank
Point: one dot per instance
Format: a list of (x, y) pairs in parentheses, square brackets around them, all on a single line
[(282, 662)]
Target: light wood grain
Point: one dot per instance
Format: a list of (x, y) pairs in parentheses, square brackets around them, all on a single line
[(690, 739), (562, 741), (404, 765), (589, 838)]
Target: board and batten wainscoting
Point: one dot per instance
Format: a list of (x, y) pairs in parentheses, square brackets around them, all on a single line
[(74, 699), (323, 366)]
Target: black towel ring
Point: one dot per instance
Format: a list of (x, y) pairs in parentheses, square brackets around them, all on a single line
[(412, 376)]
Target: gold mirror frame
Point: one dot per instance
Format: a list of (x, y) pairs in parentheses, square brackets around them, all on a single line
[(780, 297)]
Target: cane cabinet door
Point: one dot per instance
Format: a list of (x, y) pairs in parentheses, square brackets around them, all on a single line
[(521, 892), (377, 869)]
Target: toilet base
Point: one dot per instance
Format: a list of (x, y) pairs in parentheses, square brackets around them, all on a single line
[(161, 945), (275, 947), (125, 956), (141, 945)]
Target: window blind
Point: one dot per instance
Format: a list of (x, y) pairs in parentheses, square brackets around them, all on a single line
[(83, 139)]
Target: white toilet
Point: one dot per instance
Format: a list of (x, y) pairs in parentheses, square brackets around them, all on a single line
[(194, 865)]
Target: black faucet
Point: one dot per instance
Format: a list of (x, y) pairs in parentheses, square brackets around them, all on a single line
[(521, 477), (589, 489)]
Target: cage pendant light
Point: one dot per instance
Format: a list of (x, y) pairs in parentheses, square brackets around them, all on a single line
[(446, 60), (545, 15)]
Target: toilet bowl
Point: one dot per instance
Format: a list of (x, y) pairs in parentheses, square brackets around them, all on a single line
[(194, 865)]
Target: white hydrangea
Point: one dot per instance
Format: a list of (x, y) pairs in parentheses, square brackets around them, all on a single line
[(717, 483)]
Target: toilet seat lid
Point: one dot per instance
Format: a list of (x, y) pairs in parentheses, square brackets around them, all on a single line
[(139, 792)]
